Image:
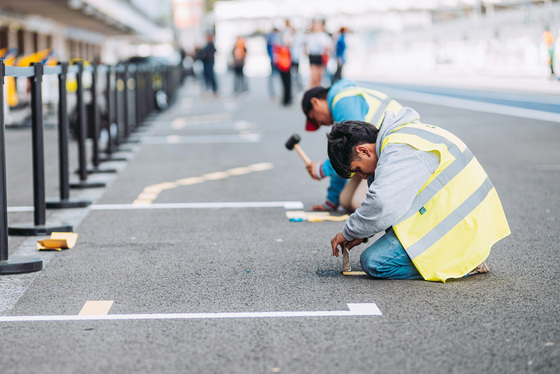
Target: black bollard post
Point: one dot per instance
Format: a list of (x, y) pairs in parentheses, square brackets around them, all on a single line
[(109, 150), (14, 265), (39, 227), (128, 85), (83, 183), (125, 104), (122, 99), (113, 115), (137, 97), (118, 88), (64, 201), (95, 161), (133, 87)]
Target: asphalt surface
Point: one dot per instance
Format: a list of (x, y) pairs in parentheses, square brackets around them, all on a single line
[(199, 284)]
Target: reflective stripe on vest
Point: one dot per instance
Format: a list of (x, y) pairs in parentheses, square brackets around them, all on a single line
[(378, 103), (457, 216)]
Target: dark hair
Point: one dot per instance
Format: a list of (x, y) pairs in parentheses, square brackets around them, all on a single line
[(318, 92), (342, 142)]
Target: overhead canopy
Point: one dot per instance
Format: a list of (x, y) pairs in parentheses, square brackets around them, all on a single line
[(106, 17), (249, 9)]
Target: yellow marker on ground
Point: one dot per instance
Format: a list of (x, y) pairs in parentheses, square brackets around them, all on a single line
[(150, 193), (354, 273)]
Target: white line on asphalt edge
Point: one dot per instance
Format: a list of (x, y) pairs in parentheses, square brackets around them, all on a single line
[(202, 139), (218, 205), (354, 310), (474, 105), (248, 204)]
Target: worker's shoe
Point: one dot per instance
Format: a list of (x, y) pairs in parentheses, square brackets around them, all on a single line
[(480, 269)]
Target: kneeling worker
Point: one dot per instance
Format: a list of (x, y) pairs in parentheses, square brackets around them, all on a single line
[(440, 210), (343, 101)]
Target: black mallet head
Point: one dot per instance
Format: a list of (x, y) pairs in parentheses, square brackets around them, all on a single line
[(294, 139)]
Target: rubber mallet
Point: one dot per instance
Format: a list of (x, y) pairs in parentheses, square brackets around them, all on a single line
[(292, 143)]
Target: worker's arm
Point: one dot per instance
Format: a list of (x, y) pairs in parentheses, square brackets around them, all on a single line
[(320, 170)]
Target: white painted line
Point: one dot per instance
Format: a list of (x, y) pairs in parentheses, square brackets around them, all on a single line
[(250, 204), (202, 139), (355, 310), (474, 105), (15, 209), (264, 204)]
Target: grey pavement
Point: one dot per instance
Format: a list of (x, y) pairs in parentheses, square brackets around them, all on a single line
[(176, 272)]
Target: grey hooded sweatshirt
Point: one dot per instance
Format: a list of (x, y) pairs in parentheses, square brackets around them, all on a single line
[(401, 171)]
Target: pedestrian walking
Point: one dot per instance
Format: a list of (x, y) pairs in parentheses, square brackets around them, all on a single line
[(340, 54), (239, 54), (318, 45), (206, 55)]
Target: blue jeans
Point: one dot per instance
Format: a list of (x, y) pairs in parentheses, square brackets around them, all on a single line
[(336, 186), (387, 259)]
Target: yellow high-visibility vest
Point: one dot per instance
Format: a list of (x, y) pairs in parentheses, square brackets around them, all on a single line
[(457, 216), (378, 103)]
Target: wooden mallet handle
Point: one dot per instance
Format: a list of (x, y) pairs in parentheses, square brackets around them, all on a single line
[(302, 154)]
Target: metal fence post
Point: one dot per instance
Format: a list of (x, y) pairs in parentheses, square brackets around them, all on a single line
[(95, 161), (14, 265), (63, 172), (39, 227), (82, 135)]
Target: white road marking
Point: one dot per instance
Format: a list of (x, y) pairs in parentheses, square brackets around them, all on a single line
[(210, 205), (202, 139), (355, 310), (474, 105), (16, 209), (237, 204), (181, 122)]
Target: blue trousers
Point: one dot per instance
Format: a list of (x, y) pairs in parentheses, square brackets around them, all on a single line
[(387, 259)]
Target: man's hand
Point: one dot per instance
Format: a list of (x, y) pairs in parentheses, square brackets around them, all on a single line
[(338, 240), (311, 170)]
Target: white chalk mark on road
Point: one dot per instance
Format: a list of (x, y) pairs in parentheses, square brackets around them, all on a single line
[(354, 310), (210, 205)]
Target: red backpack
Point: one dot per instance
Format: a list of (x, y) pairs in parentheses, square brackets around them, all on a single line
[(282, 58)]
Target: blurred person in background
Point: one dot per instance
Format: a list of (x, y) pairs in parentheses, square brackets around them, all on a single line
[(340, 54), (272, 39), (283, 62), (549, 40), (318, 45), (206, 55), (239, 54), (296, 48)]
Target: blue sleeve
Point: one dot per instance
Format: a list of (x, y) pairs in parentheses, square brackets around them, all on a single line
[(350, 108), (327, 169)]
